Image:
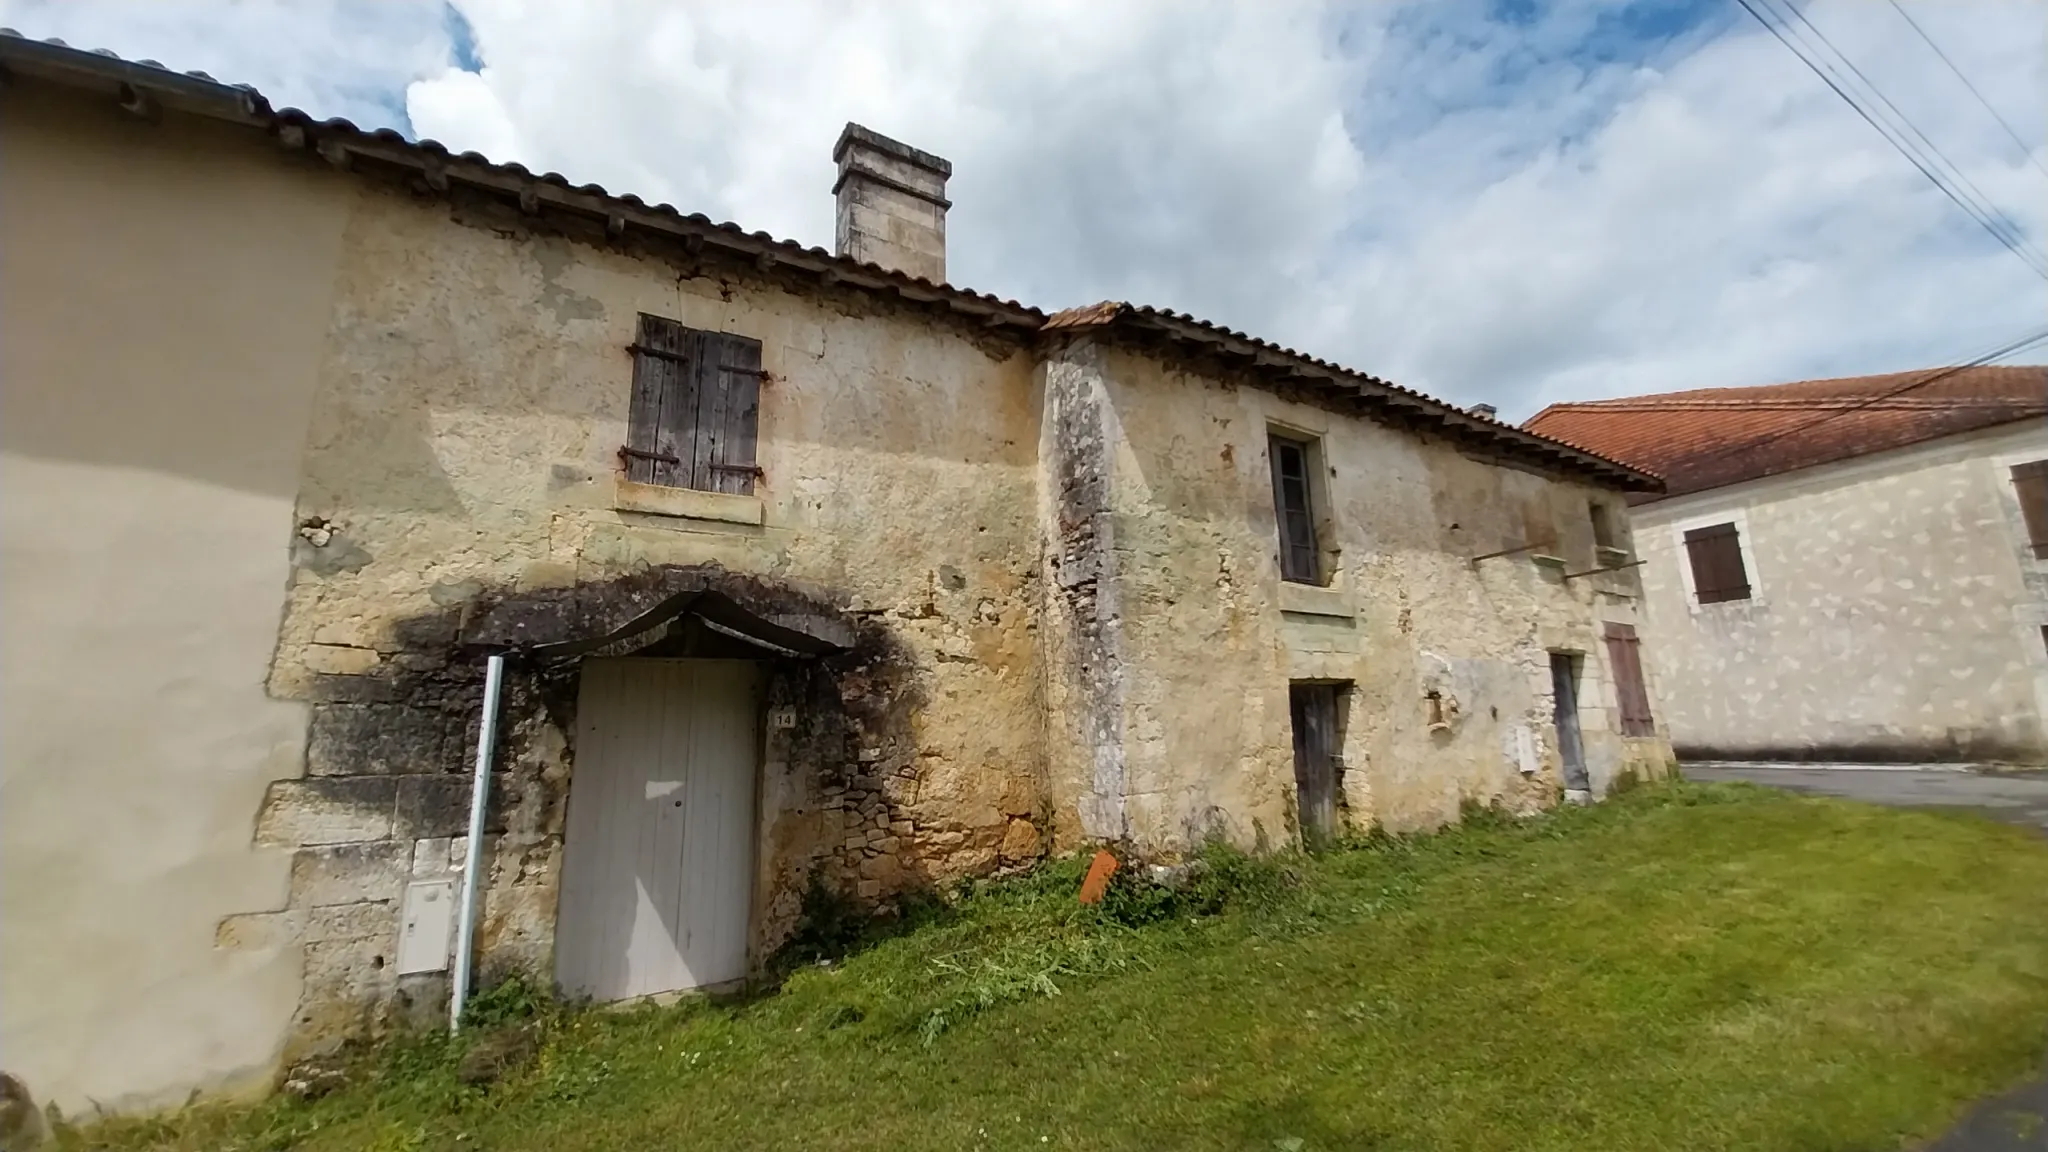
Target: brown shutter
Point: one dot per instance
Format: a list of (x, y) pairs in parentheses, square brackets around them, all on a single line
[(660, 378), (1624, 655), (2030, 480), (695, 408), (727, 427), (1716, 556)]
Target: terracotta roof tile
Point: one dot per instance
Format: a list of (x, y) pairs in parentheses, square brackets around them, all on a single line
[(1718, 436)]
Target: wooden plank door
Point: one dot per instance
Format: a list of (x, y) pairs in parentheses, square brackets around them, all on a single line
[(658, 854), (1313, 710), (1564, 682)]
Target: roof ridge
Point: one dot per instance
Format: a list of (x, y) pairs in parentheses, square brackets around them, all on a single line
[(1787, 403), (1864, 382), (1710, 438)]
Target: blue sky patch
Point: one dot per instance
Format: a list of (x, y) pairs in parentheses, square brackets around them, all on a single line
[(462, 49)]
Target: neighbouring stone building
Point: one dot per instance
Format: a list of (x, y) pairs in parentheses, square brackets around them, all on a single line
[(1850, 570), (805, 568)]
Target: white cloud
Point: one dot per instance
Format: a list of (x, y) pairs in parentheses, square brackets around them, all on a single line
[(1599, 199)]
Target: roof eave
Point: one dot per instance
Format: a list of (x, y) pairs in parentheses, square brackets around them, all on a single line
[(340, 143), (1293, 367)]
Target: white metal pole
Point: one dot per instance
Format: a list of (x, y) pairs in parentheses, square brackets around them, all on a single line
[(472, 860)]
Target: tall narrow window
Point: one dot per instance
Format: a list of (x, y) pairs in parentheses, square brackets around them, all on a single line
[(696, 402), (2030, 480), (1624, 656), (1717, 571), (1292, 504), (1603, 525)]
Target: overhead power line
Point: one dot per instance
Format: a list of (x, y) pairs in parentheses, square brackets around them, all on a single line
[(2025, 150), (1948, 167), (1939, 170)]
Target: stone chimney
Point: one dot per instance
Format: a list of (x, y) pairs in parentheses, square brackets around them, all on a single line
[(892, 204), (1486, 410)]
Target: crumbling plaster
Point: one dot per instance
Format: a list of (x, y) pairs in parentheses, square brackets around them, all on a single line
[(473, 395), (1203, 636), (1057, 564), (1896, 615)]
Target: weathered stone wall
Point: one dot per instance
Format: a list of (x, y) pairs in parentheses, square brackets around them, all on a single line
[(1207, 636), (1055, 567), (473, 395), (1895, 615)]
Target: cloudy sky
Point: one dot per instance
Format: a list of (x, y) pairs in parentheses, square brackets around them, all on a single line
[(1503, 200)]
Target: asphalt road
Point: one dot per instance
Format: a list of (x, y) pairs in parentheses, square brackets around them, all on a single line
[(2018, 1120), (2019, 798)]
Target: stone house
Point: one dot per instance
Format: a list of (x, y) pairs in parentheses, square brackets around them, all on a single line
[(1850, 570), (800, 567)]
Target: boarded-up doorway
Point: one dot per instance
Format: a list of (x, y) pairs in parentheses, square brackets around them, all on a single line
[(1313, 710), (659, 851), (1564, 683)]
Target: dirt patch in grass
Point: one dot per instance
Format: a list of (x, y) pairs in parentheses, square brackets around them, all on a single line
[(1688, 966)]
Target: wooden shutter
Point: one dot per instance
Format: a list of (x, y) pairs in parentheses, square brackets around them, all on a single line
[(695, 409), (733, 466), (1313, 710), (1624, 658), (1298, 561), (1716, 557), (2030, 480), (661, 364)]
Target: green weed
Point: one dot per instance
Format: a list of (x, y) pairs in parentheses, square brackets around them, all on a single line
[(1682, 966)]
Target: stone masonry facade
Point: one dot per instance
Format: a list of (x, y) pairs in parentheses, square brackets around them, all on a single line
[(1053, 553)]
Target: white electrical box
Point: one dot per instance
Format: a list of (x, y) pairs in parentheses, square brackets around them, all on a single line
[(425, 923), (1525, 750)]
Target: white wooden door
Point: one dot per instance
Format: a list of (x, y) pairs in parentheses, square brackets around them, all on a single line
[(658, 862)]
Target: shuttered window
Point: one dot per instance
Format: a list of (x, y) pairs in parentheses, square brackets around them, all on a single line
[(696, 399), (2030, 480), (1717, 571), (1291, 503), (1625, 659)]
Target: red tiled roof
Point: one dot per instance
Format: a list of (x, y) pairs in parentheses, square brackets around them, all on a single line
[(1717, 436)]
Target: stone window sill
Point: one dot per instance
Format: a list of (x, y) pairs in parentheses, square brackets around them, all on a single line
[(686, 503), (1313, 600)]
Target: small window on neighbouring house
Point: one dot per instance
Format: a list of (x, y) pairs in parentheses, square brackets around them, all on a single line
[(1717, 571), (2030, 480), (696, 400), (1295, 510)]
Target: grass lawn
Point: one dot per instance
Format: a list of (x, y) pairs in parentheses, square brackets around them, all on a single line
[(1687, 967)]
